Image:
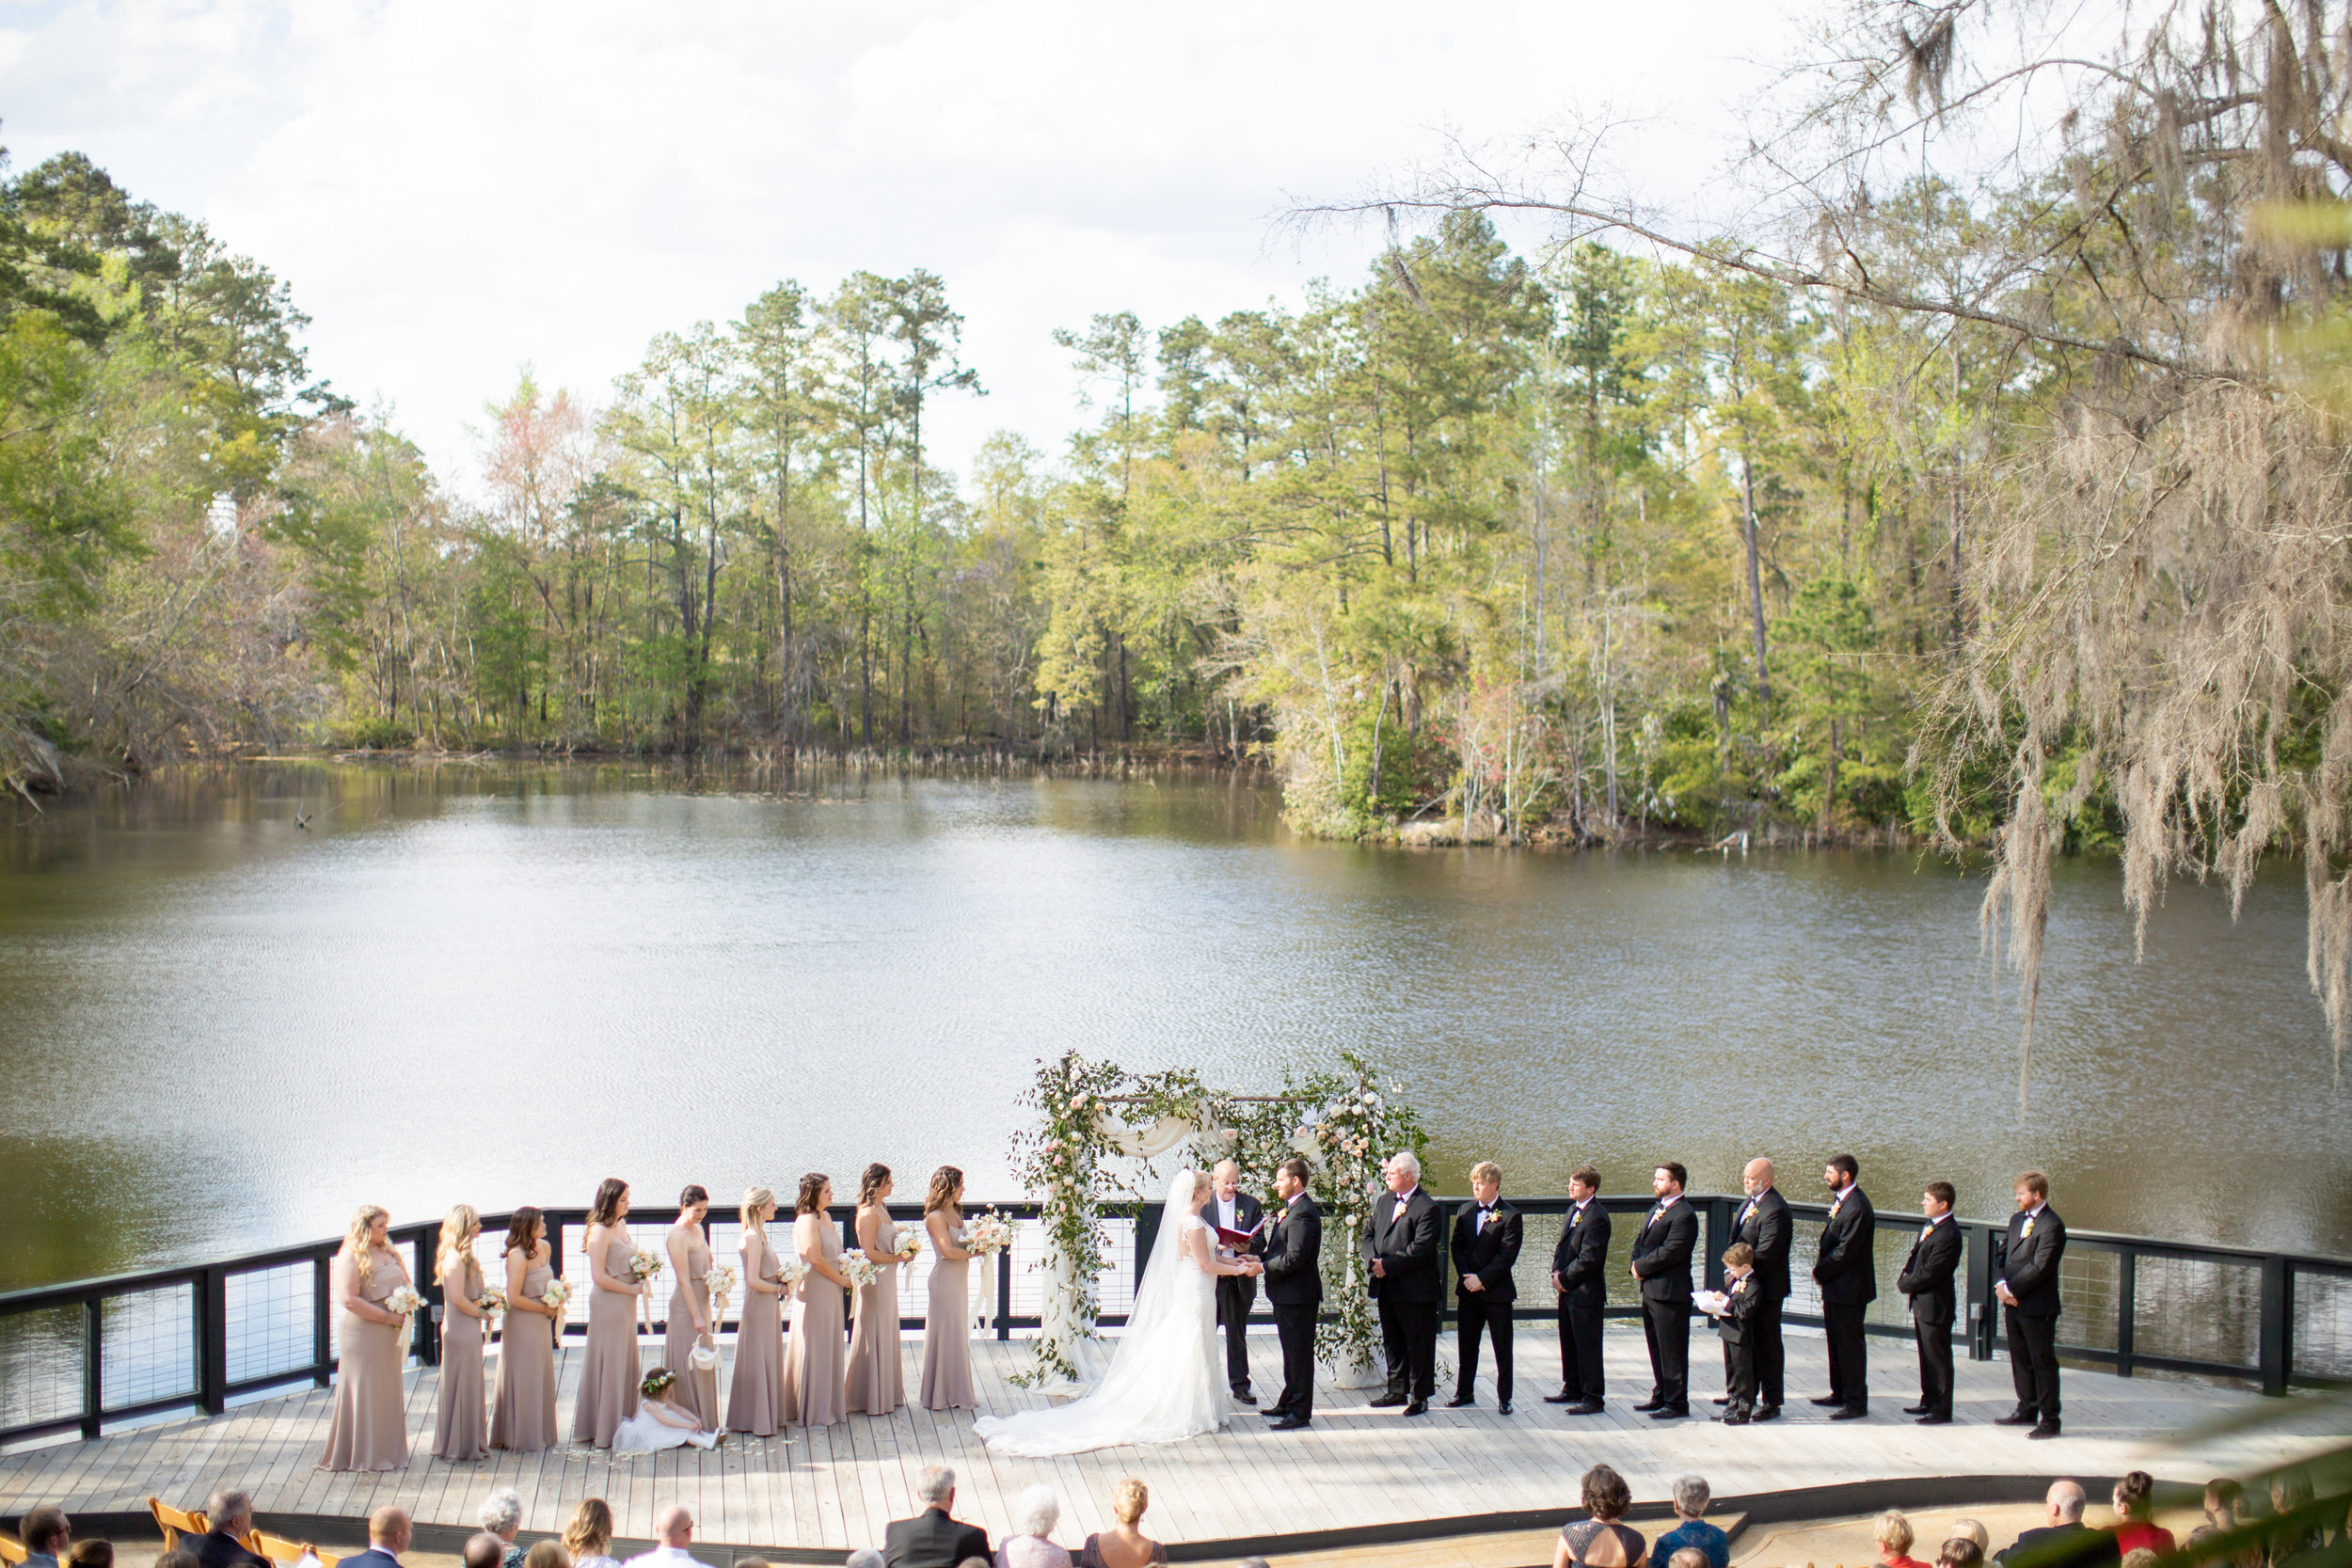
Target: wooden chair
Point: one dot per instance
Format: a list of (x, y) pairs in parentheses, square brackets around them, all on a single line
[(11, 1549), (174, 1522), (280, 1550)]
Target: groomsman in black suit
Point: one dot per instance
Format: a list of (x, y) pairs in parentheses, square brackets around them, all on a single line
[(1845, 1269), (1579, 1272), (1763, 1225), (2028, 1289), (1229, 1207), (1661, 1262), (1486, 1245), (1294, 1287), (1927, 1279), (1402, 1250)]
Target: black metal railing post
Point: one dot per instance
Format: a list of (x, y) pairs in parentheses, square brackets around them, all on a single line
[(212, 1340), (93, 1363), (1719, 1216), (2277, 1303), (1004, 1295), (425, 1336), (1148, 1218), (1983, 1310), (2126, 1307), (322, 1329)]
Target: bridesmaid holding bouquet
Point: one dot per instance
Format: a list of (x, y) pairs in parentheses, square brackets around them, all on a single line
[(756, 1399), (875, 1381), (522, 1416), (948, 1325), (369, 1431), (696, 1390), (811, 1358), (459, 1430), (609, 1371)]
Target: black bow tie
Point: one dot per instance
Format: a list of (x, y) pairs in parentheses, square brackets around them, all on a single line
[(1485, 1209)]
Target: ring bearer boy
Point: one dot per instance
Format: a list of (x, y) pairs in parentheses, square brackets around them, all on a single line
[(1734, 1312)]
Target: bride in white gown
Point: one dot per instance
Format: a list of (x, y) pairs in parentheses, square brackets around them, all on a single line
[(1167, 1377)]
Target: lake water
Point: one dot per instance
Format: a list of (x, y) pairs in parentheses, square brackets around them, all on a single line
[(220, 1031)]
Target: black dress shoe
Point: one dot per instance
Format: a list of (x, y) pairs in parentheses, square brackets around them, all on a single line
[(1275, 1414), (1734, 1418), (2047, 1429), (1670, 1413), (1503, 1407), (1830, 1399), (1562, 1397), (1766, 1413), (1458, 1400), (1933, 1419), (1289, 1423), (1419, 1407), (1653, 1403), (1723, 1398), (1243, 1396), (1386, 1401), (1915, 1409), (1848, 1413), (1586, 1408), (2014, 1419)]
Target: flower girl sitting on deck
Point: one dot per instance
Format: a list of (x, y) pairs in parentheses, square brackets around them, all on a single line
[(659, 1424)]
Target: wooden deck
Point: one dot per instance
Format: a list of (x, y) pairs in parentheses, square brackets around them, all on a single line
[(837, 1486)]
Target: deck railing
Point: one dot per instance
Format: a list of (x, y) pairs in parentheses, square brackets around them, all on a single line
[(77, 1356)]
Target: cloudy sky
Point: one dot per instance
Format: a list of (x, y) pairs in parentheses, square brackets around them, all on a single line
[(459, 187)]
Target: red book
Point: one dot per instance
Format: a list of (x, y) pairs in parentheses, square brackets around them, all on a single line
[(1238, 1240)]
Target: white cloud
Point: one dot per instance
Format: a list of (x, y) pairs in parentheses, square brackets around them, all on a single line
[(455, 188)]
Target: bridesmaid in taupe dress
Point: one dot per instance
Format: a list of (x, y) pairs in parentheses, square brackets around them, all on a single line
[(875, 1381), (696, 1390), (948, 1325), (522, 1417), (812, 1357), (608, 1369), (370, 1430), (756, 1398), (459, 1431)]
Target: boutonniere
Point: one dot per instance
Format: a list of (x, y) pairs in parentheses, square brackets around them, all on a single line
[(2028, 1230)]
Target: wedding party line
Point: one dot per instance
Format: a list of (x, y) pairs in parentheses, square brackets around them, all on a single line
[(810, 1378)]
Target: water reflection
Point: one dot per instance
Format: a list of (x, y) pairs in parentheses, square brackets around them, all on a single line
[(223, 1029)]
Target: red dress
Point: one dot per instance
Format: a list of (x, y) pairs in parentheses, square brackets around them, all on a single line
[(2132, 1535)]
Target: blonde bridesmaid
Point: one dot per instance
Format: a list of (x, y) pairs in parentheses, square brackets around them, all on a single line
[(370, 1431), (756, 1399), (875, 1381), (608, 1369), (812, 1357), (522, 1416), (697, 1391), (459, 1431), (947, 1324)]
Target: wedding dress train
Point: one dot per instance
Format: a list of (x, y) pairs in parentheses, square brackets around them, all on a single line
[(1166, 1376)]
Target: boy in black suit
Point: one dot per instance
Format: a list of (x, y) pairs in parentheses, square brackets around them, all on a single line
[(1486, 1245), (1742, 1295), (1927, 1279)]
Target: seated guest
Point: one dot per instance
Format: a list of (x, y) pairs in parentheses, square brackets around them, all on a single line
[(1125, 1544), (672, 1532), (933, 1538), (180, 1556), (1970, 1530), (92, 1554), (502, 1516), (2223, 1498), (588, 1536), (484, 1550), (2292, 1537), (2142, 1557), (1600, 1542), (1033, 1514), (546, 1554), (388, 1537), (1959, 1552), (865, 1557), (1691, 1495), (1687, 1556), (1894, 1535), (2062, 1540), (230, 1514), (48, 1535), (2134, 1509)]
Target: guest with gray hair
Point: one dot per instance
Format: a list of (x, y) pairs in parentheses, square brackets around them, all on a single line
[(1691, 1531), (865, 1557), (933, 1538), (502, 1514), (1033, 1514), (229, 1512), (1402, 1250)]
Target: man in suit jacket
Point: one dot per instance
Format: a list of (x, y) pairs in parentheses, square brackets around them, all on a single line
[(1579, 1272), (1764, 1226), (1661, 1262), (2062, 1540), (230, 1514), (388, 1537), (1401, 1251), (933, 1539), (1927, 1279), (1845, 1269), (2028, 1289), (1486, 1245), (1294, 1287), (1229, 1207)]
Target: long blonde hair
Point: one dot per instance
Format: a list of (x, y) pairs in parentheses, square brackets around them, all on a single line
[(590, 1530), (946, 1192), (754, 1199), (358, 1243), (459, 1228)]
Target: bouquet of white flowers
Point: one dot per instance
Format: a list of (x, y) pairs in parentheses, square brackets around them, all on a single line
[(906, 1243), (403, 1301), (644, 1264), (862, 1271), (791, 1271), (988, 1233), (492, 1300), (720, 1282), (556, 1294)]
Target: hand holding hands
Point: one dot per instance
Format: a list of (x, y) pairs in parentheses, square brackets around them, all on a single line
[(1472, 1282)]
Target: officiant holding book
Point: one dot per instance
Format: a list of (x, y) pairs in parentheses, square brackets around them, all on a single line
[(1238, 1222)]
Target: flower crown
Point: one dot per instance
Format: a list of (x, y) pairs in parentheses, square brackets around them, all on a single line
[(657, 1383)]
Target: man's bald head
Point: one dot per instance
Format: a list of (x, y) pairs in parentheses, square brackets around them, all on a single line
[(387, 1528), (675, 1527), (2066, 1502)]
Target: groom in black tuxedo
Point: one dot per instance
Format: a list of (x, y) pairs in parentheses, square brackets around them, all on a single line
[(1401, 1249), (1230, 1209), (1294, 1287)]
